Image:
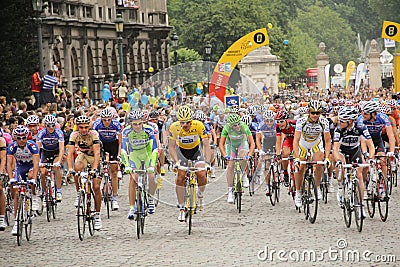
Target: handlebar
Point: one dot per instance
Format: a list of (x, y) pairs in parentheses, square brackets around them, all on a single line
[(356, 165), (304, 162)]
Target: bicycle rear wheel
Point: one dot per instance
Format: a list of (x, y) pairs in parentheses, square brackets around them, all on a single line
[(312, 200), (357, 205), (383, 199), (28, 218), (20, 219), (346, 205), (81, 215)]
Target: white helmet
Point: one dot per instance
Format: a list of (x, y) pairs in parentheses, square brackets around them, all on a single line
[(106, 113), (32, 119), (49, 119)]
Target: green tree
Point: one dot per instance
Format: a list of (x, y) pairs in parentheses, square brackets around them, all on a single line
[(386, 10)]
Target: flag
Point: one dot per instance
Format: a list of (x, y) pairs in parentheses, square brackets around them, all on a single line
[(351, 66)]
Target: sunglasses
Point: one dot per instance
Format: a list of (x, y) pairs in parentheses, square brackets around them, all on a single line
[(83, 127), (315, 113), (137, 123), (185, 122), (342, 121), (107, 119), (281, 121), (51, 125), (32, 125), (21, 137)]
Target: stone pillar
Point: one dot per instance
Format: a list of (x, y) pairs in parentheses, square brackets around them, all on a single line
[(322, 61), (374, 66)]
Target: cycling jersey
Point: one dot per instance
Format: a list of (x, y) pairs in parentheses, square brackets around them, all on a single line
[(288, 131), (349, 139), (154, 126), (311, 131), (107, 134), (220, 122), (50, 141), (375, 128), (85, 142), (208, 127), (269, 136), (188, 139), (3, 144), (235, 138)]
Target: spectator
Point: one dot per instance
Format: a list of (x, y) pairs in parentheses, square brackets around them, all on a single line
[(35, 86), (49, 82)]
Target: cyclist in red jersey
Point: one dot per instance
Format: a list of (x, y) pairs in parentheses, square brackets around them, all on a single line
[(284, 146)]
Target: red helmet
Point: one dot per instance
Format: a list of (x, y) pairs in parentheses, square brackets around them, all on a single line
[(281, 115)]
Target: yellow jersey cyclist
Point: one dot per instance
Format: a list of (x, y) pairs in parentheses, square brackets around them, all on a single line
[(236, 141), (185, 143), (88, 143), (139, 143), (308, 137)]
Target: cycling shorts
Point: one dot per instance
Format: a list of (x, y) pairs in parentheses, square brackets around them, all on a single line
[(112, 149), (378, 143), (194, 154), (135, 159), (268, 144), (352, 155), (22, 171), (315, 146), (48, 156), (288, 142), (84, 159), (233, 151)]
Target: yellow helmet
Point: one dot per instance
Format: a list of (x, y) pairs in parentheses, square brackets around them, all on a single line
[(184, 113)]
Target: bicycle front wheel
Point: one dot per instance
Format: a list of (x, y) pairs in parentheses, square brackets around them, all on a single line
[(383, 201), (106, 195), (357, 205), (90, 212), (48, 203), (272, 192), (39, 193), (346, 205), (28, 218), (81, 215), (20, 219), (312, 200), (139, 204), (324, 187)]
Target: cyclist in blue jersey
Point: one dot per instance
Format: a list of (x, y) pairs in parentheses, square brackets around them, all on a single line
[(26, 154), (110, 134), (51, 142), (375, 121)]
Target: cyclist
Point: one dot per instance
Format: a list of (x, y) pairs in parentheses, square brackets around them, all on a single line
[(26, 154), (88, 143), (154, 117), (284, 143), (236, 141), (110, 134), (347, 143), (375, 122), (186, 137), (51, 145), (219, 123), (33, 125), (3, 157), (308, 137), (139, 143), (265, 141)]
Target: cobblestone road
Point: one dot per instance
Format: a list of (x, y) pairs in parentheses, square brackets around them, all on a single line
[(221, 236)]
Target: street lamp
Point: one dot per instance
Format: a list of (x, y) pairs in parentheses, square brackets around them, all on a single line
[(175, 39), (119, 28), (38, 7), (207, 49)]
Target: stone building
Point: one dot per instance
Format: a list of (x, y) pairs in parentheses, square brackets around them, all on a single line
[(81, 35)]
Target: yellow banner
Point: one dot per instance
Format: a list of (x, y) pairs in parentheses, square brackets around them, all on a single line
[(351, 66), (396, 73), (231, 58), (391, 30)]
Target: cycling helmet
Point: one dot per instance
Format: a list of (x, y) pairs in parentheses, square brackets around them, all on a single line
[(335, 102), (154, 114), (348, 113), (20, 130), (295, 106), (385, 109), (215, 108), (199, 115), (173, 113), (246, 119), (251, 110), (227, 110), (220, 112), (269, 115), (391, 103), (233, 118), (314, 106), (83, 119), (348, 103), (341, 102), (49, 119), (135, 115), (303, 110), (185, 113), (32, 119), (106, 113), (234, 110), (370, 106), (281, 115)]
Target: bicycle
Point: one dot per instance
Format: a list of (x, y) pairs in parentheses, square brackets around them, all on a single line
[(291, 170), (253, 162), (309, 196), (324, 185), (40, 194), (106, 184), (8, 198), (377, 186), (238, 182), (191, 201), (352, 198), (24, 216), (274, 179), (85, 209), (49, 195), (142, 204)]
